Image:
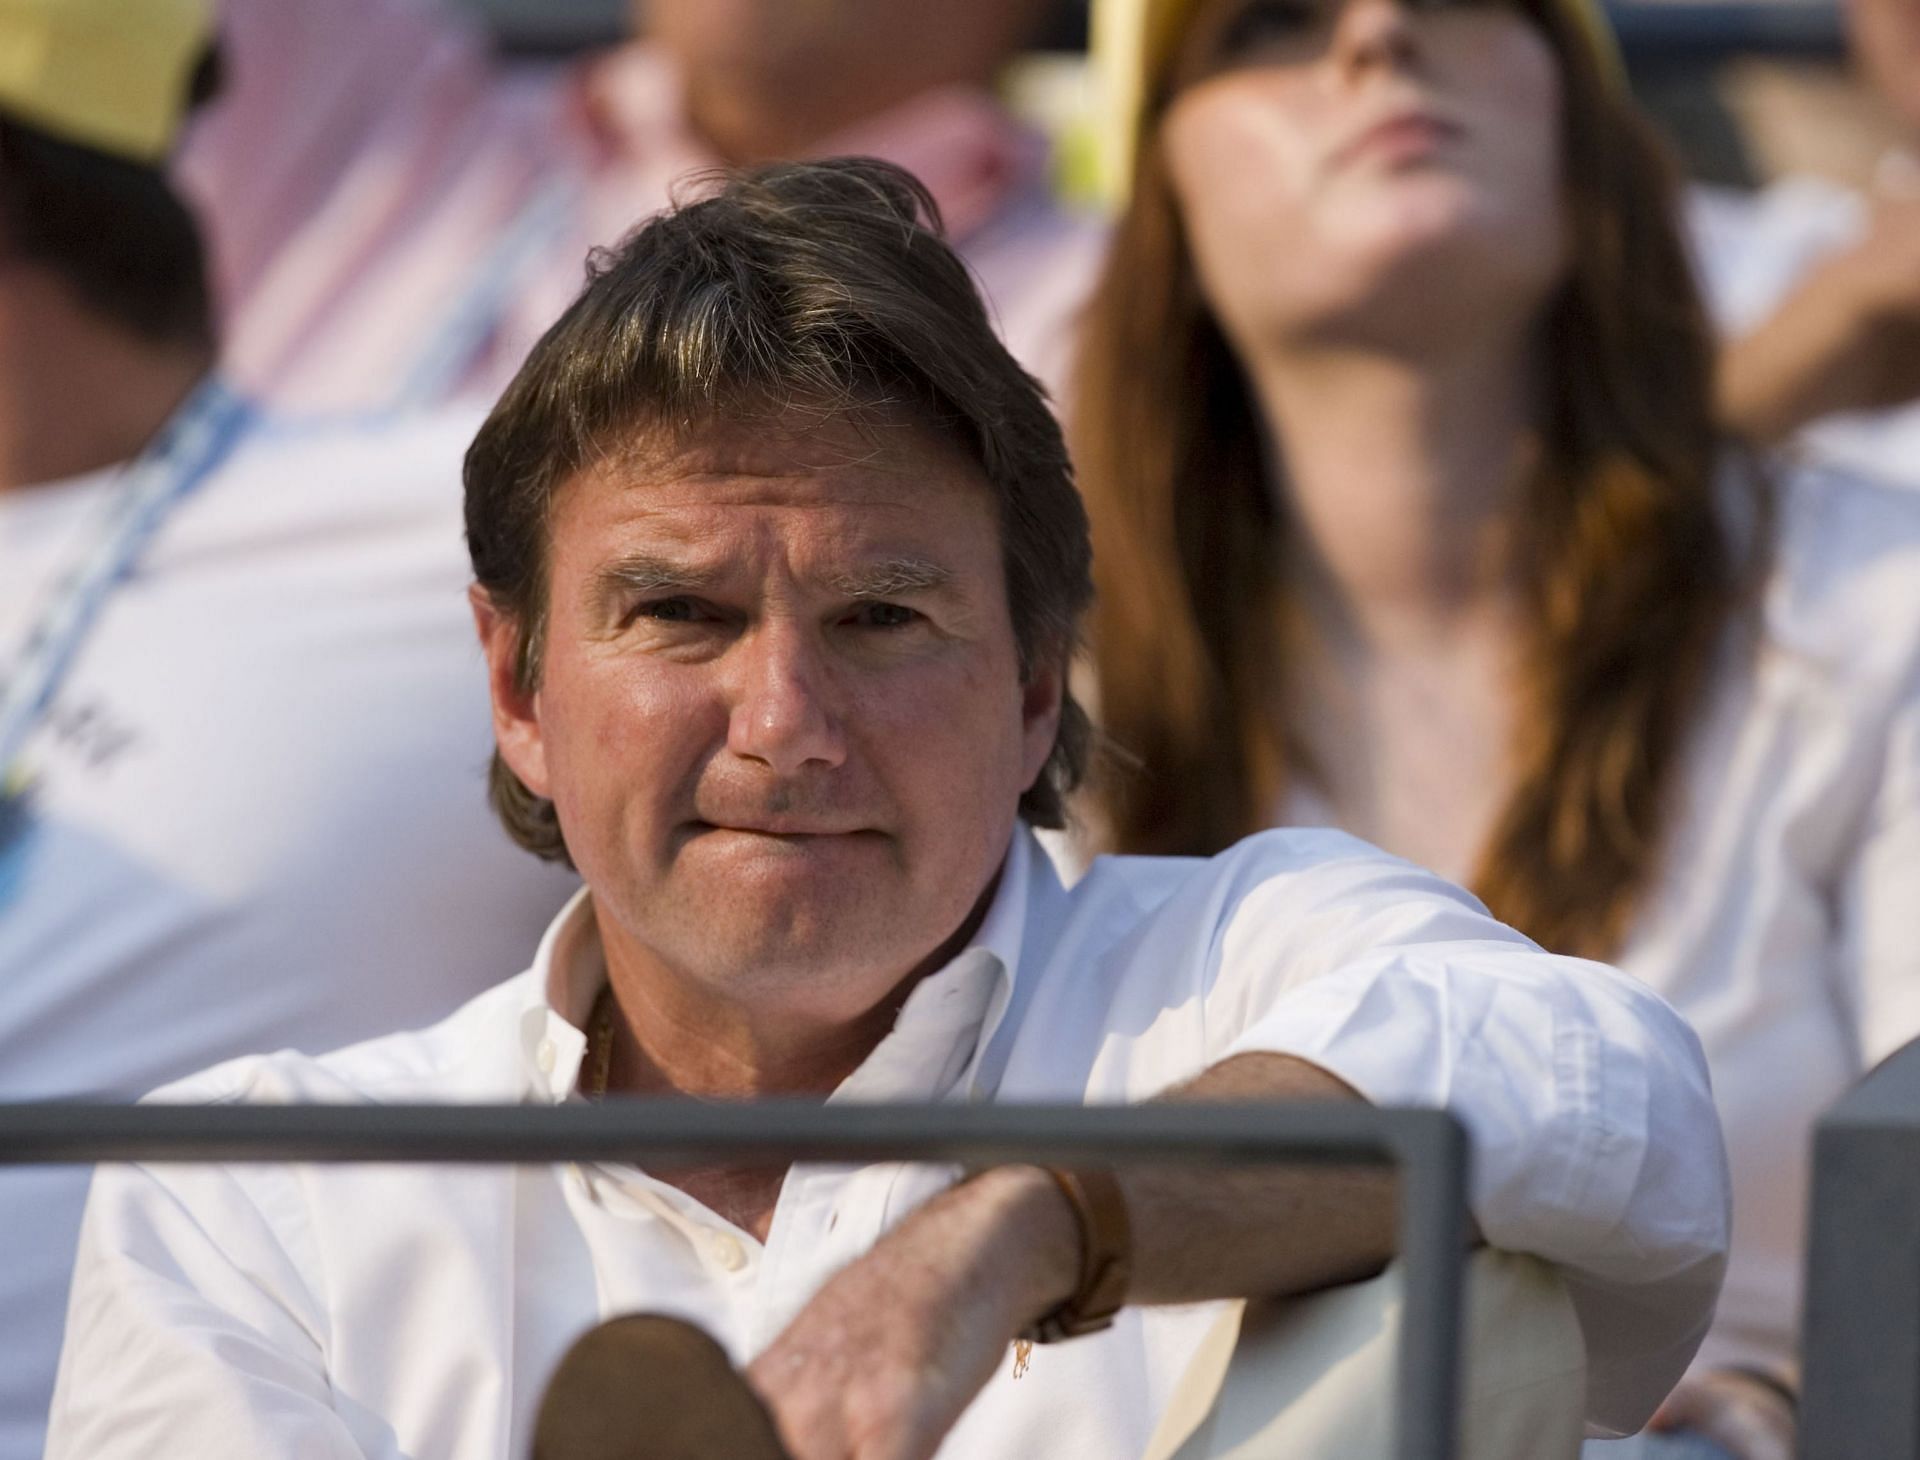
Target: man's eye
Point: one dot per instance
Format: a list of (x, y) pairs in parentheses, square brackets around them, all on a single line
[(884, 616), (668, 610)]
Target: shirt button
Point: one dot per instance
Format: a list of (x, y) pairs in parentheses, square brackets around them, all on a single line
[(545, 1056), (728, 1252)]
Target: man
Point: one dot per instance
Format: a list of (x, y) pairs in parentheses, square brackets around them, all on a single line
[(1818, 287), (241, 782), (397, 213), (779, 568)]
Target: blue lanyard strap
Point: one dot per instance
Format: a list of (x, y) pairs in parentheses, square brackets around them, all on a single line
[(185, 453)]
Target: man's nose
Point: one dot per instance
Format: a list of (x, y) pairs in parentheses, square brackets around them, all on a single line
[(784, 712), (1373, 33)]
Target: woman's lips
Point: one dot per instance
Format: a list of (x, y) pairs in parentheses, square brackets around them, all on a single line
[(1406, 136)]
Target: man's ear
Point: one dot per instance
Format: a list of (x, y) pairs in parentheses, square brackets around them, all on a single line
[(1040, 701), (516, 712)]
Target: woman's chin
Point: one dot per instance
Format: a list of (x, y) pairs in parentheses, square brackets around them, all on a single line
[(1418, 272)]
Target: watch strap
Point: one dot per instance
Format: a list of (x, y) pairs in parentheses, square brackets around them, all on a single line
[(1106, 1257)]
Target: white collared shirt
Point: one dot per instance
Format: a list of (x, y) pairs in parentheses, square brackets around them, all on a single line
[(387, 1312)]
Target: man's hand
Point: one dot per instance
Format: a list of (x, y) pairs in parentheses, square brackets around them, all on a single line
[(1846, 339), (890, 1351), (1736, 1411), (882, 1361)]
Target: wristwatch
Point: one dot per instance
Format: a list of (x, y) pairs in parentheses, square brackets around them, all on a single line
[(1106, 1257)]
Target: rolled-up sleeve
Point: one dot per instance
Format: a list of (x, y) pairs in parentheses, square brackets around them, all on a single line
[(1595, 1142)]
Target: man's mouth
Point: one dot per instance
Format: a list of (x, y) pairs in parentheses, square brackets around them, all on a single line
[(784, 830)]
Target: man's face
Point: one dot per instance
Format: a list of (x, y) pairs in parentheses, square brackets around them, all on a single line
[(781, 715)]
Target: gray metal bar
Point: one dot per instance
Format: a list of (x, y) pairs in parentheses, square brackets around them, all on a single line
[(659, 1132), (1429, 1146), (1860, 1328), (1433, 1235)]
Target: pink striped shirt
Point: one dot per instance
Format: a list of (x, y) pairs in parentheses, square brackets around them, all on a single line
[(373, 174)]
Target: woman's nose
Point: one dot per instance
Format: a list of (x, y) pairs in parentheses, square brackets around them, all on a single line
[(1374, 33)]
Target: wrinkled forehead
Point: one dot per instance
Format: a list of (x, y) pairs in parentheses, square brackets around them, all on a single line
[(882, 439), (842, 485)]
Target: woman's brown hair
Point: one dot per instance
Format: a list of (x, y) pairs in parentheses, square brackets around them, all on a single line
[(1628, 570)]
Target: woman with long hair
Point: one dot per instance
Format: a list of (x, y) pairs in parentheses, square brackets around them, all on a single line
[(1394, 418)]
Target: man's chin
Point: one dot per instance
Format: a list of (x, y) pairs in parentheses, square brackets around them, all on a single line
[(814, 971), (798, 904)]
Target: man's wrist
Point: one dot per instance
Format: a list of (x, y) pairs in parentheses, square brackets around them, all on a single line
[(1029, 1239), (1106, 1256)]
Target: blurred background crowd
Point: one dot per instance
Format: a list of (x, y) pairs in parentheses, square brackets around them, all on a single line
[(1545, 521)]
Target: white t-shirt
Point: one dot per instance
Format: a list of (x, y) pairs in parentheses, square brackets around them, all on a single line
[(1752, 249), (42, 530), (352, 1312), (260, 818)]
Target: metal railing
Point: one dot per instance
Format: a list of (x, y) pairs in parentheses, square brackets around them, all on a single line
[(1860, 1329), (1429, 1148)]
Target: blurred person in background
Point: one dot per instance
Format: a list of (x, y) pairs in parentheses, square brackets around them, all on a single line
[(396, 213), (1817, 286), (1395, 420), (242, 724)]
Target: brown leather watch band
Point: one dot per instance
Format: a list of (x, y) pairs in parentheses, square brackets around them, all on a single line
[(1106, 1257)]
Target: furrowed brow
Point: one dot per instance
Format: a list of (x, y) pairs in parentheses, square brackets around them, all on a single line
[(642, 574), (891, 578)]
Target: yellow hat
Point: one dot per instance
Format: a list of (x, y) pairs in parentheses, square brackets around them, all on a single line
[(1134, 41), (109, 74)]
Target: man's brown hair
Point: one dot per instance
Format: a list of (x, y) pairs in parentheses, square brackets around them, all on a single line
[(823, 288)]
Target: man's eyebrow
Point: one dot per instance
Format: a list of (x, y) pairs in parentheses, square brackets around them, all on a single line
[(890, 577), (642, 573)]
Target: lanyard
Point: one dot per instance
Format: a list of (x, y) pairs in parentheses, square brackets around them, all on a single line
[(185, 453)]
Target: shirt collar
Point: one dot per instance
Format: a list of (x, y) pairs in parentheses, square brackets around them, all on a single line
[(568, 971), (971, 153), (936, 1042), (940, 1034)]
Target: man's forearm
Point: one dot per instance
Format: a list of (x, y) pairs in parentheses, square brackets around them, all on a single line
[(1788, 372), (940, 1296), (1844, 340), (1200, 1232)]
